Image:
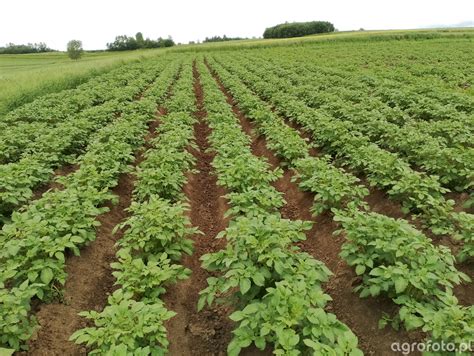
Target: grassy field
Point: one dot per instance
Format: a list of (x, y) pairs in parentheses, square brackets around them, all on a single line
[(344, 36), (24, 77)]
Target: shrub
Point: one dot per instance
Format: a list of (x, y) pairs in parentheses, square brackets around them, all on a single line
[(74, 49), (298, 29)]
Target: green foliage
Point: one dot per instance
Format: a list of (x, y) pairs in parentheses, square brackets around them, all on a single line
[(275, 287), (74, 49), (15, 325), (222, 39), (157, 225), (155, 237), (126, 43), (258, 253), (466, 235), (126, 327), (254, 201), (11, 48), (161, 172), (35, 242), (36, 239), (451, 323), (298, 29), (333, 188), (146, 277), (288, 317), (396, 260), (55, 129), (293, 96), (244, 171), (392, 258)]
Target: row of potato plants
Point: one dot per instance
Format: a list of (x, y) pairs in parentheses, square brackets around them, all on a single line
[(275, 288), (393, 258), (381, 122), (20, 129), (61, 145), (34, 245), (421, 98), (157, 234), (363, 88), (365, 114), (55, 107), (419, 193)]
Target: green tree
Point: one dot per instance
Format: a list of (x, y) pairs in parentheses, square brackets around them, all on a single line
[(74, 49), (140, 40)]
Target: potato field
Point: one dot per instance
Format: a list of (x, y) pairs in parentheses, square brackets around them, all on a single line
[(298, 199)]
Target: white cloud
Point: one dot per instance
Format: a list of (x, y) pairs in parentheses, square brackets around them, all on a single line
[(97, 22)]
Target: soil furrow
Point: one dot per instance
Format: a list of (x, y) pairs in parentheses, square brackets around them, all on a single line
[(209, 331), (361, 315)]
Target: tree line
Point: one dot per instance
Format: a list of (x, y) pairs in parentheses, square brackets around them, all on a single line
[(12, 48), (128, 43), (121, 43), (298, 29), (222, 39)]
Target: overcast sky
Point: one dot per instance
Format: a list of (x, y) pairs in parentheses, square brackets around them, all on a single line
[(97, 22)]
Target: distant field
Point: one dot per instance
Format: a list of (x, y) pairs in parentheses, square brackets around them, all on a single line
[(23, 77), (26, 76), (345, 36)]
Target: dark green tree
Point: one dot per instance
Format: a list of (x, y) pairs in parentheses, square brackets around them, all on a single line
[(140, 40)]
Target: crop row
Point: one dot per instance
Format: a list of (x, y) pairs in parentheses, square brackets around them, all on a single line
[(419, 193), (21, 128), (393, 258), (156, 236), (35, 243), (364, 114), (276, 288), (453, 129), (62, 143), (419, 96)]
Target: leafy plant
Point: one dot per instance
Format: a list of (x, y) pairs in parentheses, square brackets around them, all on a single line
[(146, 278), (465, 234), (158, 226), (126, 326), (333, 188), (291, 317), (396, 260), (254, 201)]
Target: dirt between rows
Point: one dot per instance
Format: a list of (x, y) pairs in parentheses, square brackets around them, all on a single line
[(209, 331), (361, 315)]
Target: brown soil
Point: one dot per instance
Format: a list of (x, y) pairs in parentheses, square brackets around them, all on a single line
[(459, 200), (361, 315), (89, 281), (209, 331), (465, 291)]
